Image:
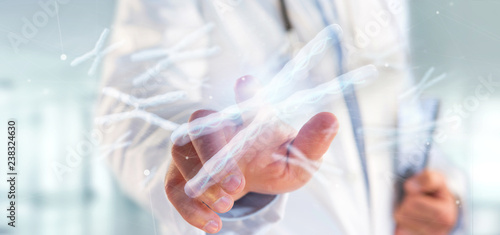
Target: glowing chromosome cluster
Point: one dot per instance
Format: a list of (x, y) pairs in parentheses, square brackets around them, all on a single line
[(266, 105)]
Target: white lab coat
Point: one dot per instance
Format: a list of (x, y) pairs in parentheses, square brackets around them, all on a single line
[(251, 39)]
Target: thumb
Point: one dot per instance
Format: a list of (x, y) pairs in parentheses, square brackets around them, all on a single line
[(314, 138), (311, 143)]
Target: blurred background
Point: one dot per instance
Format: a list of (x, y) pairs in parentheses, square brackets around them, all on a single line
[(54, 102)]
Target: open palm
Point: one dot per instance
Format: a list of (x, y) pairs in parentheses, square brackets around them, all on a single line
[(262, 154)]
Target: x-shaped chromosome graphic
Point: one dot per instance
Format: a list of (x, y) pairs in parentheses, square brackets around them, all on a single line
[(174, 54), (139, 106), (98, 52)]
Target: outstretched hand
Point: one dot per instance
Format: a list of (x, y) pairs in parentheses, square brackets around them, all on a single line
[(276, 160)]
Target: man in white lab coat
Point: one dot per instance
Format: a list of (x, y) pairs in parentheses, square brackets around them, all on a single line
[(203, 48)]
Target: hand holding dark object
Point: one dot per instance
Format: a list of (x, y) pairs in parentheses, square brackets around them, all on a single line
[(428, 207)]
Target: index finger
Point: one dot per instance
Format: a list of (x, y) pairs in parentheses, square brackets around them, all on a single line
[(207, 144), (228, 175)]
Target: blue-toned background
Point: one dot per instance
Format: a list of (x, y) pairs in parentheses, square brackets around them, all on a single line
[(53, 103)]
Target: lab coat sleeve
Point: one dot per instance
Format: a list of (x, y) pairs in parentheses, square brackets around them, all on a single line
[(254, 214), (138, 147)]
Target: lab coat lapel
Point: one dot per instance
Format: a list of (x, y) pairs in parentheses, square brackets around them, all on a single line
[(378, 103)]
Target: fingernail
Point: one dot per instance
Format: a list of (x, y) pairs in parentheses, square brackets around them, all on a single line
[(231, 183), (211, 226), (223, 204)]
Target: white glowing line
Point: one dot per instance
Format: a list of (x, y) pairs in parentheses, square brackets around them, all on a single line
[(155, 53), (310, 96), (173, 54), (423, 84), (106, 150), (169, 97), (297, 68), (141, 114), (174, 58)]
